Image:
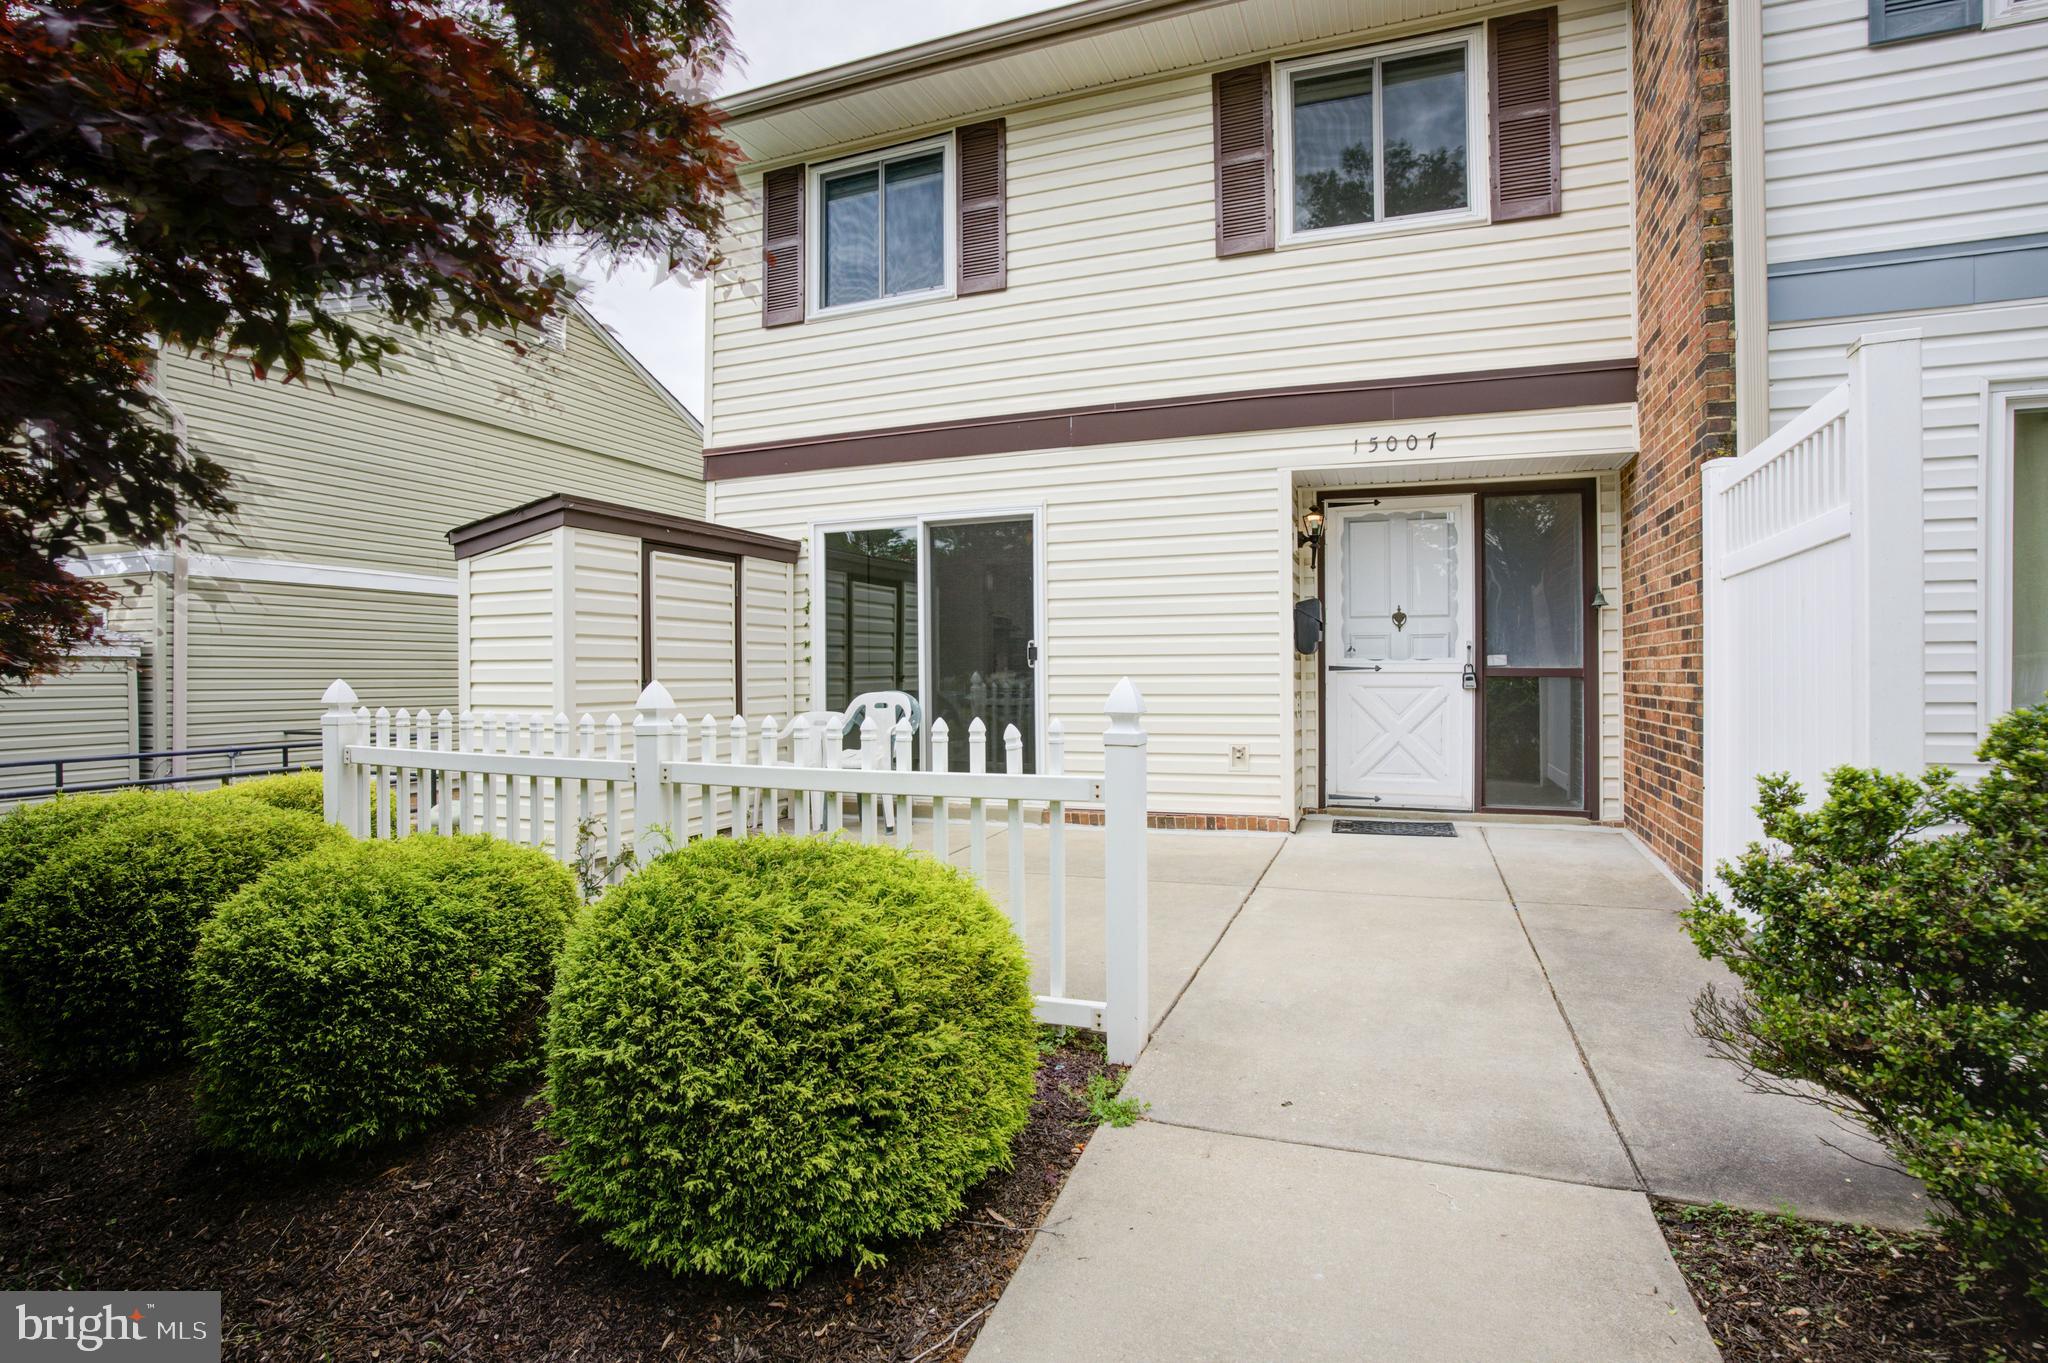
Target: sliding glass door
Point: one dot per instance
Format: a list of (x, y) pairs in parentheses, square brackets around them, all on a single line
[(869, 607), (945, 609)]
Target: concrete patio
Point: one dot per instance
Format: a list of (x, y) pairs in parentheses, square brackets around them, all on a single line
[(1408, 1097)]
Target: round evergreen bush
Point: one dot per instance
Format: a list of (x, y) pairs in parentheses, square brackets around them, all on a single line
[(32, 834), (771, 1052), (359, 995), (96, 942), (299, 790)]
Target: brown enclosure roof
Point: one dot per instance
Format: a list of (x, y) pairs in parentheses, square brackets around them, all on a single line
[(585, 513)]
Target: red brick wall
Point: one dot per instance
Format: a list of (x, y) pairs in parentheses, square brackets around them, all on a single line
[(1685, 406)]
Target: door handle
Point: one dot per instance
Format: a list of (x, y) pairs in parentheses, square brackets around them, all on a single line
[(1031, 653), (1354, 667)]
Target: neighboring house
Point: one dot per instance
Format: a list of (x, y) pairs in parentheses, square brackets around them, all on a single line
[(88, 710), (1089, 344), (337, 562), (1892, 175)]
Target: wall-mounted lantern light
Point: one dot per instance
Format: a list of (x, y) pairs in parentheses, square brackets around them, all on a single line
[(1311, 536)]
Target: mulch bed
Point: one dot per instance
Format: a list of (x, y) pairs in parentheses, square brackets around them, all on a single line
[(455, 1248), (1776, 1287)]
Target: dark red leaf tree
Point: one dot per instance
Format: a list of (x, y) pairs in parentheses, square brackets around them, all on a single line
[(217, 176)]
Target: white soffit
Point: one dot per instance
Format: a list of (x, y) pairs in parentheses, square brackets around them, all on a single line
[(1060, 52)]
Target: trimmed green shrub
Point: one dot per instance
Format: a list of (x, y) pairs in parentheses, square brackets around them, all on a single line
[(96, 941), (362, 994), (302, 791), (299, 790), (767, 1053), (32, 834), (1894, 948)]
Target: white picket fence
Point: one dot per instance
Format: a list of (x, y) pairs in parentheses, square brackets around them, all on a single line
[(586, 792), (1812, 595)]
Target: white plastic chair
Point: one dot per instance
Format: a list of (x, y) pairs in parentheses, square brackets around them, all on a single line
[(840, 734)]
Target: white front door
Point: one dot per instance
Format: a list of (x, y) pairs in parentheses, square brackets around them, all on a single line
[(1400, 585)]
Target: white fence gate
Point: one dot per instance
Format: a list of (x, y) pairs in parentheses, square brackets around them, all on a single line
[(1812, 595), (586, 792)]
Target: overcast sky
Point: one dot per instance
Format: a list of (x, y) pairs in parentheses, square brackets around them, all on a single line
[(662, 321)]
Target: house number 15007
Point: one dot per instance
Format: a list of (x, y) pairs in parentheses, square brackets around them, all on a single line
[(1373, 444)]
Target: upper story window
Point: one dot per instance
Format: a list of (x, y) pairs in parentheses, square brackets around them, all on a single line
[(882, 227), (1389, 137)]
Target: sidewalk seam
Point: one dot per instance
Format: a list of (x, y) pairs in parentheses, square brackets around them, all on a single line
[(1228, 924), (1571, 1030), (1387, 1154)]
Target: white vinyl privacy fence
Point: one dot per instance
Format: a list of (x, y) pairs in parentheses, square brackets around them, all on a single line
[(1812, 586), (588, 791)]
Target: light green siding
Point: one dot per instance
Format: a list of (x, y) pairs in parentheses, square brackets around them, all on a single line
[(372, 470), (87, 709), (260, 654), (364, 472)]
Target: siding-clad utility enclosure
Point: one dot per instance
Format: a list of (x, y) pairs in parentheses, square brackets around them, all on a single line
[(570, 606)]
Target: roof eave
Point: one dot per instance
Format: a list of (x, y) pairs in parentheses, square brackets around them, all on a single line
[(905, 62)]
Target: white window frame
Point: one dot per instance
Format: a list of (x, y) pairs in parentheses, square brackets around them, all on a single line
[(1999, 13), (814, 226), (2003, 404), (919, 521), (1478, 195)]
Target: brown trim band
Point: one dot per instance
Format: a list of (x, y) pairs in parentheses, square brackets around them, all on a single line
[(650, 527), (1587, 383)]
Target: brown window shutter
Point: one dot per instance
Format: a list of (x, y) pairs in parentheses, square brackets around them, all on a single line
[(984, 252), (782, 246), (1244, 160), (1528, 155)]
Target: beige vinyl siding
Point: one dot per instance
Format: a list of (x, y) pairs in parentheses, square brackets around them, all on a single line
[(373, 470), (768, 654), (693, 633), (88, 709), (1170, 562), (513, 609), (1607, 543), (605, 610), (1909, 144), (1116, 293), (259, 655), (1962, 352)]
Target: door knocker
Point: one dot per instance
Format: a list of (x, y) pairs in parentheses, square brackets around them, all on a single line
[(1400, 617)]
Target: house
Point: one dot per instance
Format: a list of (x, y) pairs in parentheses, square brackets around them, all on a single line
[(1095, 342), (337, 561), (1892, 176)]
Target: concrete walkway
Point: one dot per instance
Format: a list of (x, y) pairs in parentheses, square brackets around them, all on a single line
[(1407, 1099)]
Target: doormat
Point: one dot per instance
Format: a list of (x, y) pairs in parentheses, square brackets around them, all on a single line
[(1397, 828)]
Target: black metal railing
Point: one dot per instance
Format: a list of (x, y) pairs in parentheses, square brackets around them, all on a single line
[(219, 765)]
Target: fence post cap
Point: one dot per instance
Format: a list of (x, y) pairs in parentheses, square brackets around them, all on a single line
[(1124, 701), (338, 694), (655, 697)]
